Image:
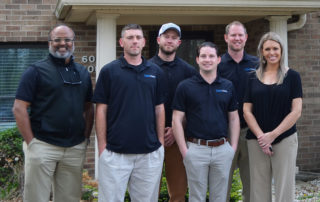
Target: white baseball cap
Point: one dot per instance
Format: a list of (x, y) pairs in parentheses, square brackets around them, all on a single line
[(169, 25)]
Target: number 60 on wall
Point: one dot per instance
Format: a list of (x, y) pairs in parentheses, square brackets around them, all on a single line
[(90, 59)]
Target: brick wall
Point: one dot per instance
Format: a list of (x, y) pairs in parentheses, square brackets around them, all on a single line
[(304, 56), (31, 20), (26, 20)]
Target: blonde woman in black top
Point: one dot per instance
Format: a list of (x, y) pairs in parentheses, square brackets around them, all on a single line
[(272, 106)]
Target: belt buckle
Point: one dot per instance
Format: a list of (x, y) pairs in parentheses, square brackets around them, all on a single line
[(216, 140), (208, 141)]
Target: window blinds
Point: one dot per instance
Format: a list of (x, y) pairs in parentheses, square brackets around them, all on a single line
[(14, 59)]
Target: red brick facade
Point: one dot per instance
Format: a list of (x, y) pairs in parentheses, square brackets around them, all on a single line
[(30, 21), (304, 56)]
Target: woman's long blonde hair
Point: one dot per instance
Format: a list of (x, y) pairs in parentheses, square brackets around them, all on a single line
[(263, 63)]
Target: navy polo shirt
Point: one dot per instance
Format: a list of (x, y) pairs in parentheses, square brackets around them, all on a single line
[(238, 74), (206, 106), (175, 71), (131, 93), (56, 110)]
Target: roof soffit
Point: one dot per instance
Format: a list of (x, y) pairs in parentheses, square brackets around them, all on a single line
[(84, 11)]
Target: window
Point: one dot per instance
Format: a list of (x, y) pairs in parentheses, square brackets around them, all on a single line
[(188, 47), (14, 59)]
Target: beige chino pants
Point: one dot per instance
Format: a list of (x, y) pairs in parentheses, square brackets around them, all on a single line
[(49, 166), (280, 166)]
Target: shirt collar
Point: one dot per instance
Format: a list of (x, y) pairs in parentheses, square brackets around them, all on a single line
[(144, 65), (244, 58), (161, 62), (198, 78), (61, 61)]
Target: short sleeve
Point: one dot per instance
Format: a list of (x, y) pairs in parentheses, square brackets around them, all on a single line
[(296, 86), (161, 88), (27, 87), (234, 105), (247, 95), (179, 101), (102, 90)]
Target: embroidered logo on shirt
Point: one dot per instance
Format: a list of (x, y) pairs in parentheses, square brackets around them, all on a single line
[(221, 91), (249, 69), (149, 76)]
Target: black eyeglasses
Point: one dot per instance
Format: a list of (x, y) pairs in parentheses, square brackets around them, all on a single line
[(71, 78), (58, 40)]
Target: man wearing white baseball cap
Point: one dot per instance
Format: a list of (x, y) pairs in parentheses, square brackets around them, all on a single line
[(176, 70)]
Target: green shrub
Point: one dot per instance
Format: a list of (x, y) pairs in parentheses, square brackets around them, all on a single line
[(236, 189), (89, 187), (11, 162)]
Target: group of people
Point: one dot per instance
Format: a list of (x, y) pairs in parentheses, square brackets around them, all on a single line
[(238, 110)]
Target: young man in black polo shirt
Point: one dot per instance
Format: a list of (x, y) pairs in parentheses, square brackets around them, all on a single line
[(208, 103), (175, 70), (235, 66), (130, 123)]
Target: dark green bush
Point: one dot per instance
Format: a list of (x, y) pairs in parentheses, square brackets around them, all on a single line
[(11, 162), (236, 189)]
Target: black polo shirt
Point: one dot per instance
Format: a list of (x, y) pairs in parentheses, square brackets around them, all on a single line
[(206, 106), (238, 74), (57, 93), (175, 72), (272, 103), (131, 93)]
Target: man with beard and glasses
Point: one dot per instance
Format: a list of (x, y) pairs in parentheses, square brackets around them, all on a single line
[(58, 92), (130, 123), (235, 66), (175, 70)]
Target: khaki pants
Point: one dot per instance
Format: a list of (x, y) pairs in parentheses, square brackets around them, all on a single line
[(208, 165), (241, 160), (47, 165), (140, 172), (175, 174), (281, 166)]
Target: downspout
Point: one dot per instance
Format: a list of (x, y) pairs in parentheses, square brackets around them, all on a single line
[(299, 24), (295, 26)]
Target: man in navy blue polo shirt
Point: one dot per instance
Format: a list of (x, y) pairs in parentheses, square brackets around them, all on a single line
[(130, 123), (58, 92), (175, 70), (209, 105), (235, 66)]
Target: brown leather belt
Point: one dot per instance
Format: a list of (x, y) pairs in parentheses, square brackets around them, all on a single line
[(211, 143)]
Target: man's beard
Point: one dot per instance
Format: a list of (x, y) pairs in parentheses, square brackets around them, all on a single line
[(233, 48), (57, 54), (168, 52)]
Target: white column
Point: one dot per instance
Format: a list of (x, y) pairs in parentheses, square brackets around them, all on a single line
[(105, 52), (279, 25), (106, 39)]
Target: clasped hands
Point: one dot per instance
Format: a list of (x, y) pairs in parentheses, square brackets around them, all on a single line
[(265, 141)]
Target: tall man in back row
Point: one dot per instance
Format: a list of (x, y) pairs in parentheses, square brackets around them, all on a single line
[(58, 92), (176, 70), (236, 65)]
